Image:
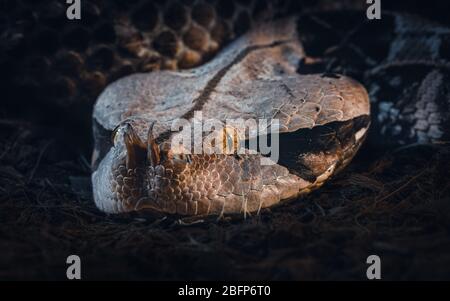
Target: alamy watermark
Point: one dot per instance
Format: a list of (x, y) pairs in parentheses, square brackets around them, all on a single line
[(374, 270), (74, 270), (374, 9), (73, 11), (234, 136)]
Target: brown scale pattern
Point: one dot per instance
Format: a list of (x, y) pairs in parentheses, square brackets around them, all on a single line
[(126, 183), (67, 62), (210, 184)]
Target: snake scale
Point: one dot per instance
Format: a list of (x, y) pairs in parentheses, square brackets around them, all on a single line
[(243, 59)]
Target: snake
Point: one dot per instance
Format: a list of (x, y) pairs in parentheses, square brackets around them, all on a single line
[(234, 60), (254, 78)]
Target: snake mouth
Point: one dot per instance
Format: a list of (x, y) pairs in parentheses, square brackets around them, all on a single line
[(324, 149)]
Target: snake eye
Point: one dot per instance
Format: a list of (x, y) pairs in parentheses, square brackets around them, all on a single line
[(229, 140)]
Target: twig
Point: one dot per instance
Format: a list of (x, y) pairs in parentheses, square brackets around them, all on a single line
[(401, 187)]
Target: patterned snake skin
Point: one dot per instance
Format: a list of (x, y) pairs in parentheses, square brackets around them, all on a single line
[(263, 72), (70, 62)]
